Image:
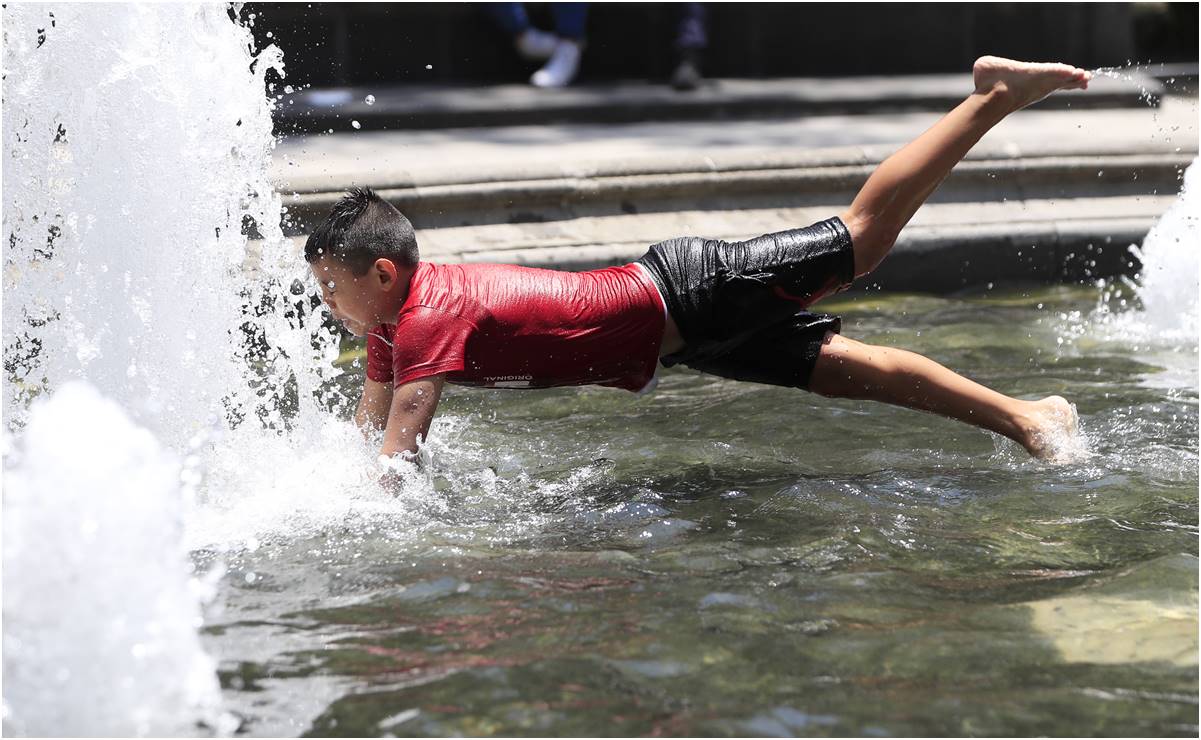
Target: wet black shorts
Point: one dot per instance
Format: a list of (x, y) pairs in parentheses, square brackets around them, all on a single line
[(740, 306)]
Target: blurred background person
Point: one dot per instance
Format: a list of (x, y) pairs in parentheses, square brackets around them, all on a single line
[(561, 50), (691, 39)]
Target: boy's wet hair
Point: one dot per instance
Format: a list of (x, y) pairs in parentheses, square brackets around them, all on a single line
[(361, 228)]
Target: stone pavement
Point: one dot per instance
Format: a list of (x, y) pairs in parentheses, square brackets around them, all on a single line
[(1045, 196)]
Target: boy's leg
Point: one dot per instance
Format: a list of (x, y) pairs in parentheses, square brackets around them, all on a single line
[(902, 182), (849, 369)]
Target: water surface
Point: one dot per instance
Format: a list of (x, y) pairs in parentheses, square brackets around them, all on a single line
[(720, 558)]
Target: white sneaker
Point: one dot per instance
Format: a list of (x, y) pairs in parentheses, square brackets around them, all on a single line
[(535, 44), (562, 67)]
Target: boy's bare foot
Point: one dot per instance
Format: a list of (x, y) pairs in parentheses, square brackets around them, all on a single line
[(1023, 83), (1052, 431)]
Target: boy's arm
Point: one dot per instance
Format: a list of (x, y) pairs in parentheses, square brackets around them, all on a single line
[(410, 414), (372, 412)]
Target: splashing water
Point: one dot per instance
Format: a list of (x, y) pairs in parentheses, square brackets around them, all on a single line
[(137, 144), (125, 210), (1167, 286), (99, 618), (1169, 254), (1125, 74), (1157, 312)]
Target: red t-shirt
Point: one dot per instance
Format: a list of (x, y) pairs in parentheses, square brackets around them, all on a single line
[(505, 326)]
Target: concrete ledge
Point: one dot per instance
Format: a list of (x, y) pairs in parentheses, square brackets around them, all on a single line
[(946, 260), (461, 243), (829, 177), (428, 107), (452, 173)]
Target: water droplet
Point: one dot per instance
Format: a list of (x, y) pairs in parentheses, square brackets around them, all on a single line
[(429, 66), (289, 89), (250, 577), (355, 125), (369, 100)]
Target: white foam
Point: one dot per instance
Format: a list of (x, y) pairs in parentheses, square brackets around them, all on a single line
[(258, 487), (101, 609)]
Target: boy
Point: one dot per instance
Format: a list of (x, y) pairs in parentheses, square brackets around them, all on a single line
[(732, 309)]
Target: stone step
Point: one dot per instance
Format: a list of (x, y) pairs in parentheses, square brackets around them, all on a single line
[(947, 247), (781, 179)]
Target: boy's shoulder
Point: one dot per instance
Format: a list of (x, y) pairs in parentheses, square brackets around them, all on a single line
[(434, 284), (439, 292)]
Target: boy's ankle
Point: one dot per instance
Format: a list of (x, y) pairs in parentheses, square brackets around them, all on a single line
[(997, 101), (1025, 426)]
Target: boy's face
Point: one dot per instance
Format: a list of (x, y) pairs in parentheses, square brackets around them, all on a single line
[(360, 302)]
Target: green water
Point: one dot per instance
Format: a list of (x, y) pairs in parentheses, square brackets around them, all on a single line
[(732, 559)]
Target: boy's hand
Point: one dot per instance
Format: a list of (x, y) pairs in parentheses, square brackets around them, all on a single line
[(392, 472)]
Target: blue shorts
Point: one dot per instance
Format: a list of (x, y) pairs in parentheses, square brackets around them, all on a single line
[(740, 306)]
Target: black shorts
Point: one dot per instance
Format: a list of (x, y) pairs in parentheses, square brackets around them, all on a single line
[(740, 305)]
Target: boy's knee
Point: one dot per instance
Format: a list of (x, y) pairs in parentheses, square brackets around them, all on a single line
[(871, 238), (856, 224), (849, 369), (832, 375)]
